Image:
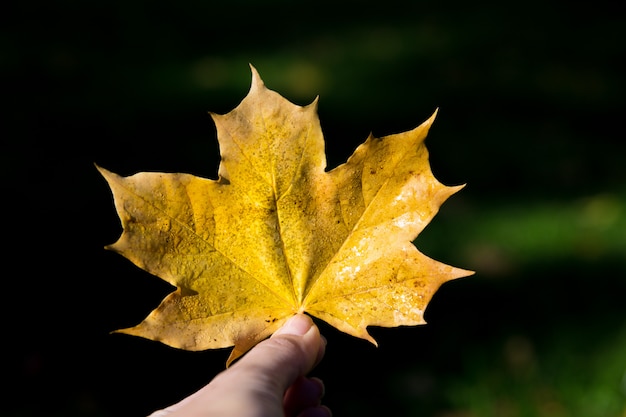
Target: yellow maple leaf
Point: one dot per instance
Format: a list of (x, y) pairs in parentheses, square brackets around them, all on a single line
[(278, 235)]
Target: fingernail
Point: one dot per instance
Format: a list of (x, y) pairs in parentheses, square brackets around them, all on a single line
[(297, 325), (321, 351)]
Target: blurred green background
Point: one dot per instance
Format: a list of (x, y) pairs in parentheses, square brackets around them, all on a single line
[(531, 117)]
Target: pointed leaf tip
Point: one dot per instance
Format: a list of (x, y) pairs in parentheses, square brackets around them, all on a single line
[(432, 118), (257, 82)]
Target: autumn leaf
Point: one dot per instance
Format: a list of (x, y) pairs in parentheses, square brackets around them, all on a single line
[(276, 234)]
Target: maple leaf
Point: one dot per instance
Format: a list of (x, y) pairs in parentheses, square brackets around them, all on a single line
[(276, 234)]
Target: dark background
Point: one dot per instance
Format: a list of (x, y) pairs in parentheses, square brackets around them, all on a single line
[(531, 117)]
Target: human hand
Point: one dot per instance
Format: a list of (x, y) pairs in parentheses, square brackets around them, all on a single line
[(269, 381)]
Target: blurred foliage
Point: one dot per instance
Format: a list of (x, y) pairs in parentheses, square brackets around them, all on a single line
[(531, 100)]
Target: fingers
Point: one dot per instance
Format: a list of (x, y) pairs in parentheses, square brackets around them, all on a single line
[(304, 397), (304, 393), (319, 411)]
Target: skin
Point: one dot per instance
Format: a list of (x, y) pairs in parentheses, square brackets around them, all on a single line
[(269, 381)]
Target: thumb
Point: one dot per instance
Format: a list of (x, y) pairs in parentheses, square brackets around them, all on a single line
[(258, 381), (264, 374), (291, 352)]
